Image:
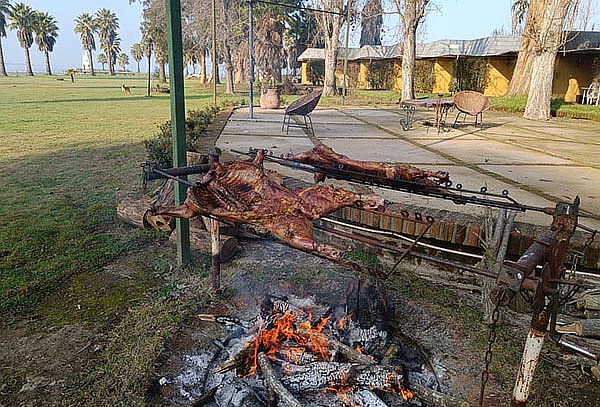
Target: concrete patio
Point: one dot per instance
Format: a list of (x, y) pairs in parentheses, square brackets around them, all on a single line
[(539, 163)]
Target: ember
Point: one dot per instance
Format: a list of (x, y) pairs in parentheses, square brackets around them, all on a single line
[(295, 354)]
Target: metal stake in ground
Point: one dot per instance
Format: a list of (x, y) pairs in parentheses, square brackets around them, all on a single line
[(215, 234)]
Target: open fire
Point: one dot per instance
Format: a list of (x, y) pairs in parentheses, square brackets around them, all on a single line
[(300, 356)]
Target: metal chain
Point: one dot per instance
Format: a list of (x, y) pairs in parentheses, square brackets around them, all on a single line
[(488, 354)]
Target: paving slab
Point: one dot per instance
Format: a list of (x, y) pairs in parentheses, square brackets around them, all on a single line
[(278, 145), (493, 152), (392, 150)]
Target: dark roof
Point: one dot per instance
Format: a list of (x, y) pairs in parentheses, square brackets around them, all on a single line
[(578, 41)]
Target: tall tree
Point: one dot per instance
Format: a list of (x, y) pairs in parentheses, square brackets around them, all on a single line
[(102, 60), (85, 26), (269, 51), (154, 29), (137, 53), (123, 60), (411, 13), (46, 32), (107, 23), (371, 23), (330, 25), (519, 83), (546, 44), (21, 18), (518, 12), (4, 9)]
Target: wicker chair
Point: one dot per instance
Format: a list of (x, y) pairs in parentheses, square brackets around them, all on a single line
[(471, 103), (303, 106)]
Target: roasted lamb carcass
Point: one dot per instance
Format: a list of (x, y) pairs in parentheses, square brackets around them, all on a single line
[(323, 156), (240, 191)]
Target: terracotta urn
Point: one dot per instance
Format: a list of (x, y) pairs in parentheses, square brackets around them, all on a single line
[(270, 98)]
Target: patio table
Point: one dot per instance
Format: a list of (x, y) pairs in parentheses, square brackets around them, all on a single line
[(442, 106)]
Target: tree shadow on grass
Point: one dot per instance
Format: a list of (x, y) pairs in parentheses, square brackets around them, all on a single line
[(124, 98)]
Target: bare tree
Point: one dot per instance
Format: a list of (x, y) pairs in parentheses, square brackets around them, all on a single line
[(411, 13), (549, 39), (330, 25), (534, 9)]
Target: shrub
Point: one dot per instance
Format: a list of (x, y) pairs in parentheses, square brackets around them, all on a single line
[(424, 77), (470, 74), (160, 146), (380, 75)]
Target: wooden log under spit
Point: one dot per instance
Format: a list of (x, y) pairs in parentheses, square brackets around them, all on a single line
[(132, 211), (285, 397), (589, 328), (589, 301)]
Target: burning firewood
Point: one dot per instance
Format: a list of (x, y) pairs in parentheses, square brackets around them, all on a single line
[(274, 384), (322, 375)]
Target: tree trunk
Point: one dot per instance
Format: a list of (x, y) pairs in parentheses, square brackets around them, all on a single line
[(47, 57), (330, 86), (202, 63), (409, 34), (162, 72), (138, 66), (29, 71), (229, 87), (2, 66), (111, 65), (408, 63), (91, 58), (519, 83), (542, 74)]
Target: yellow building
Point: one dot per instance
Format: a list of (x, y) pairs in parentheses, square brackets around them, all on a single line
[(495, 56)]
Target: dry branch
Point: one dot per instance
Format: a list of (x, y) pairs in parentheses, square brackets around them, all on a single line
[(285, 397)]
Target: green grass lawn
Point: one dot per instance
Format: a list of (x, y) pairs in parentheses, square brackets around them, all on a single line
[(516, 104), (66, 150)]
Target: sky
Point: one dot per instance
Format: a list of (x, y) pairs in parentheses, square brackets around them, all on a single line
[(452, 19)]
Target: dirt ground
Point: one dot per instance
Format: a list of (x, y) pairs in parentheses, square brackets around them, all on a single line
[(111, 346)]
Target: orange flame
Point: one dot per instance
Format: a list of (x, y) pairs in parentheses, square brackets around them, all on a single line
[(284, 329)]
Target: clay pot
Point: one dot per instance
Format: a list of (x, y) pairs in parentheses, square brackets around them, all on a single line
[(270, 98)]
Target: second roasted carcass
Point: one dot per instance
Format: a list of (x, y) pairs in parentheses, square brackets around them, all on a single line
[(240, 191), (324, 157)]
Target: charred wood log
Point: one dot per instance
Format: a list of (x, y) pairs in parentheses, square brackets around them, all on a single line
[(285, 397), (320, 375), (435, 398), (365, 398)]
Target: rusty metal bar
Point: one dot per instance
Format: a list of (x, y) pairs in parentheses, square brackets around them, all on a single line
[(563, 226)]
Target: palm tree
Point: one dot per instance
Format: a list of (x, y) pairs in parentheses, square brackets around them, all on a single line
[(46, 31), (102, 60), (123, 60), (22, 19), (107, 24), (114, 49), (86, 27), (137, 52), (4, 10)]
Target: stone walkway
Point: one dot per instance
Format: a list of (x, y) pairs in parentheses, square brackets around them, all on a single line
[(538, 162)]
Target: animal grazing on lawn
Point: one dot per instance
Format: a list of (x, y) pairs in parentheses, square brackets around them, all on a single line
[(125, 89)]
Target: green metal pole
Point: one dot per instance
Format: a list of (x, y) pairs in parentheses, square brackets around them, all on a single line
[(347, 39), (178, 120)]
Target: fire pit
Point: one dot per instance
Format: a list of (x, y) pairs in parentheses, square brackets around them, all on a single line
[(292, 351)]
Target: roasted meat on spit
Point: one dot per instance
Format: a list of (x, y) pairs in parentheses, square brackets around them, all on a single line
[(323, 156), (240, 191)]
